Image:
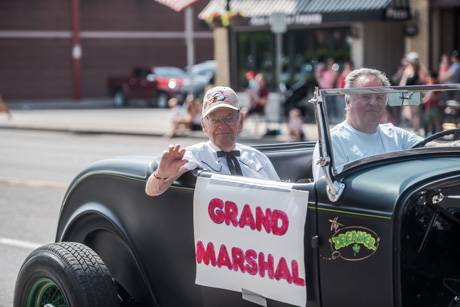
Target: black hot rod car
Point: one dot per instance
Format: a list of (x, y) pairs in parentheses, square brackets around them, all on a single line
[(382, 231)]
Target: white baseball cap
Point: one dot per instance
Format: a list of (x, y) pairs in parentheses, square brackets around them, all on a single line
[(219, 97)]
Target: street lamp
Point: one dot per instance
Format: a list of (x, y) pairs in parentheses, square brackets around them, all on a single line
[(278, 26)]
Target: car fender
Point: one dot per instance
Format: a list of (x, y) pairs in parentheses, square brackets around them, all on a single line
[(89, 216)]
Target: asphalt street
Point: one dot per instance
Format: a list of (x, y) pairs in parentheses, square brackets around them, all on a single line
[(35, 169)]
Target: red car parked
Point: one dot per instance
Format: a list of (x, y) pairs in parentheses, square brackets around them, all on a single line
[(155, 85)]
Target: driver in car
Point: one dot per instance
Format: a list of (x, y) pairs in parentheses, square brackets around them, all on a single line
[(221, 122), (361, 134)]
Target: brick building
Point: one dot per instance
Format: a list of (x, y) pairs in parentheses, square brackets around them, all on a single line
[(116, 35)]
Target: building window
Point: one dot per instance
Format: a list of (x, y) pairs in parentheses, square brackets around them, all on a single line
[(303, 49), (256, 52)]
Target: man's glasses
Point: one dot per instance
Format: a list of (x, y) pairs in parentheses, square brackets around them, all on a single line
[(228, 120)]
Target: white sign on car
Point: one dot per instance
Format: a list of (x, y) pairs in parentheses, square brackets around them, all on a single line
[(249, 236)]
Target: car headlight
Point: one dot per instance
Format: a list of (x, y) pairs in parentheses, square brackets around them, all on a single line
[(172, 84)]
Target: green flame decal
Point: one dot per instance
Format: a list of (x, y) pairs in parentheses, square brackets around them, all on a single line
[(355, 238)]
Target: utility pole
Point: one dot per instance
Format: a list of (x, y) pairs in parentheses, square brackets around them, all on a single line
[(279, 26), (76, 49), (190, 44)]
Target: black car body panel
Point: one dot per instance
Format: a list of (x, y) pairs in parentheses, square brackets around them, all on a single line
[(382, 232), (370, 200), (153, 259), (138, 236)]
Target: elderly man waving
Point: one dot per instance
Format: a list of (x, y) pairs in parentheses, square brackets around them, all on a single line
[(221, 122)]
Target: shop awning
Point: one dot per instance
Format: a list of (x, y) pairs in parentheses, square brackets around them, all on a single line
[(313, 11)]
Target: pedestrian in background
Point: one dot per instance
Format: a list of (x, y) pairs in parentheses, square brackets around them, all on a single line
[(326, 77), (453, 74), (414, 73), (432, 113), (4, 108), (184, 116), (252, 87), (178, 111), (295, 126), (195, 114), (396, 77), (257, 106), (261, 97), (347, 68), (444, 66)]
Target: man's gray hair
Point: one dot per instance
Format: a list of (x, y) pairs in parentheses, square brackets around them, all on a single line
[(355, 74)]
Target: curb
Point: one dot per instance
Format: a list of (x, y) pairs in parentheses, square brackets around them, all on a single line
[(93, 131), (131, 133)]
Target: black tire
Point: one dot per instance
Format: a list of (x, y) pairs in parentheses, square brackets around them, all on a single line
[(69, 271), (119, 99)]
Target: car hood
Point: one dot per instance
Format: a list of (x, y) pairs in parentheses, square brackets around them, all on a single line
[(378, 188)]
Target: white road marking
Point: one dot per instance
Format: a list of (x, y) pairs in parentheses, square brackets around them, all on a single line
[(33, 183), (19, 243)]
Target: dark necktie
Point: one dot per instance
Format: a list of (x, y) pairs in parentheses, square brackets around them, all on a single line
[(232, 162)]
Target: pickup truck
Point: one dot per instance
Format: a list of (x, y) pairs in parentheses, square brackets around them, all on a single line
[(153, 84)]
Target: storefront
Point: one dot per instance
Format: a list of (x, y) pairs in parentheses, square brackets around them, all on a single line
[(303, 49), (368, 33)]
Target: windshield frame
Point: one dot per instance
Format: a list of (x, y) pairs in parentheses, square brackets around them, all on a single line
[(326, 154)]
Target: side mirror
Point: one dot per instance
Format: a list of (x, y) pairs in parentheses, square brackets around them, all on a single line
[(404, 99)]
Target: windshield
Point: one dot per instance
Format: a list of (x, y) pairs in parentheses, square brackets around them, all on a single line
[(205, 68), (170, 72), (373, 121)]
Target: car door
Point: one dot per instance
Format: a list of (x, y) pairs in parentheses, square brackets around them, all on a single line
[(355, 249)]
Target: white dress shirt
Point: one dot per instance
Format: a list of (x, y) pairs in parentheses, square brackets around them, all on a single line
[(253, 163)]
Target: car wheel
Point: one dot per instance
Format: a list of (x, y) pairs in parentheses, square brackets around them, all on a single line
[(64, 274), (119, 99), (162, 100)]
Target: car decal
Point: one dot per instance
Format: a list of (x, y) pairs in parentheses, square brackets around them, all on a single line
[(351, 243)]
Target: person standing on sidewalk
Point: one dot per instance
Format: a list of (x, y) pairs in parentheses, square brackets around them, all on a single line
[(4, 108), (221, 154), (295, 126), (453, 74)]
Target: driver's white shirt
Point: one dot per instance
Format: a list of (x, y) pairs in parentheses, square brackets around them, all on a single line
[(253, 163), (349, 144)]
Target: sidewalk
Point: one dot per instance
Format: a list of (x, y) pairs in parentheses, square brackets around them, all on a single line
[(99, 117)]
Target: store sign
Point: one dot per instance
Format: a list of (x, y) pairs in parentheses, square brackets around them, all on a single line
[(302, 19), (397, 14), (278, 22), (249, 237)]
